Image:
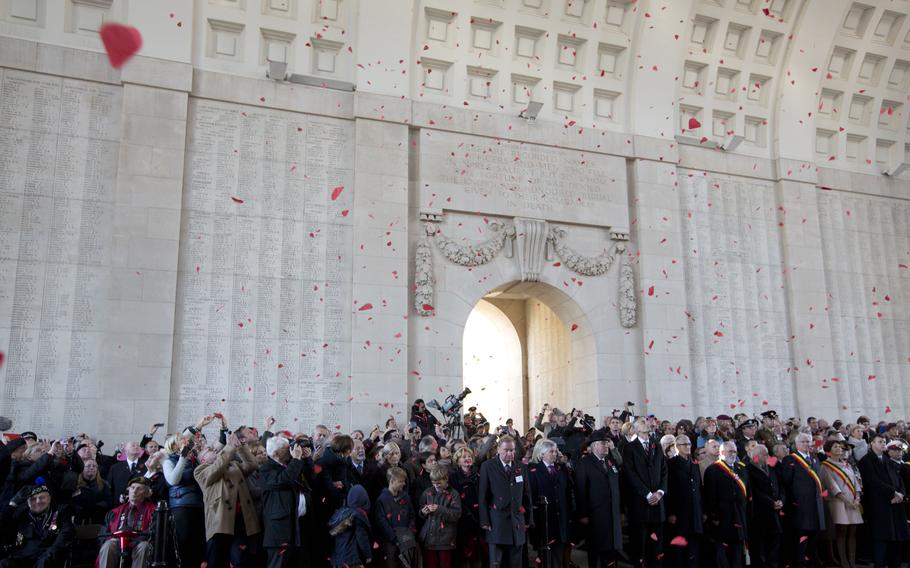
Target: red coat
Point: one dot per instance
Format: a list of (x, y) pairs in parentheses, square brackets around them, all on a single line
[(113, 521)]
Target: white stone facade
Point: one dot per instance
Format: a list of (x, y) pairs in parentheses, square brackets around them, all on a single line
[(145, 214)]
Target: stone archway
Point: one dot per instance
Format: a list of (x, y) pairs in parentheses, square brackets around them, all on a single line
[(599, 365)]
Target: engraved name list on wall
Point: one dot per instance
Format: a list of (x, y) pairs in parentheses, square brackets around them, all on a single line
[(58, 167), (264, 291)]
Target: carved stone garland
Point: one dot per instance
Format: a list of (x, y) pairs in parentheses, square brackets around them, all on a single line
[(423, 277), (600, 264), (470, 255)]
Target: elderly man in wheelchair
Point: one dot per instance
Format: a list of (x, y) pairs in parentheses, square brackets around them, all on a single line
[(127, 529)]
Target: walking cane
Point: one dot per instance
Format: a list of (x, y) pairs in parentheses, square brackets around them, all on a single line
[(544, 552)]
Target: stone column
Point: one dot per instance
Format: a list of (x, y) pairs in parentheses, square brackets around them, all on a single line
[(661, 337), (136, 374), (807, 298), (380, 333)]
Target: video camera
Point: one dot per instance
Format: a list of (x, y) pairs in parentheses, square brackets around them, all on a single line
[(452, 404)]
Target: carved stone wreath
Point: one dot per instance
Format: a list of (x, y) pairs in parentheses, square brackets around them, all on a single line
[(584, 265), (475, 255)]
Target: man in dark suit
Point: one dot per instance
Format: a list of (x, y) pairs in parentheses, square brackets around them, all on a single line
[(123, 471), (280, 478), (800, 477), (726, 496), (551, 486), (356, 461), (645, 475), (684, 505), (765, 504), (505, 505), (597, 501), (883, 502)]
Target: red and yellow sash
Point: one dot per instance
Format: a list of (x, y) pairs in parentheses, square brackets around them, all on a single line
[(726, 469), (842, 475), (818, 482)]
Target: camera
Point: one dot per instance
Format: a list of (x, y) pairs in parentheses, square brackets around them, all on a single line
[(451, 406)]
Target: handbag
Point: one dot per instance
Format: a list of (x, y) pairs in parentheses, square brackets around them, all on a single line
[(341, 527)]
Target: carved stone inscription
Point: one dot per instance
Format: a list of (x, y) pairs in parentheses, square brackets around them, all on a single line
[(58, 168), (264, 290), (476, 174)]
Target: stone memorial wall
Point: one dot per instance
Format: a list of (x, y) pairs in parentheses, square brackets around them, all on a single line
[(59, 141), (504, 177), (736, 314), (264, 289)]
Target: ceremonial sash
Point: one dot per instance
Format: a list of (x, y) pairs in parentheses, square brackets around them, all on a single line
[(726, 469), (818, 482), (842, 475)]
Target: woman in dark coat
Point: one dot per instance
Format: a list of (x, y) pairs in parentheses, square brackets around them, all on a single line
[(334, 477), (352, 542), (465, 480), (92, 499), (597, 501)]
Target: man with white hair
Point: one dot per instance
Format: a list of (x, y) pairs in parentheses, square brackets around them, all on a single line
[(726, 498), (805, 510), (282, 501), (645, 475)]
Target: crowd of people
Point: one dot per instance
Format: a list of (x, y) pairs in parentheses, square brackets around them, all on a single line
[(716, 491)]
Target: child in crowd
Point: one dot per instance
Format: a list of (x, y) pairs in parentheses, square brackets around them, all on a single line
[(441, 507), (394, 522), (350, 526)]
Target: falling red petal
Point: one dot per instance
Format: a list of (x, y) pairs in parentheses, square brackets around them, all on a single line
[(120, 42), (365, 307), (236, 199), (693, 123), (336, 192)]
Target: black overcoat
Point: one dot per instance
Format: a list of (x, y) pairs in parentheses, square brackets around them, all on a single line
[(505, 502), (804, 507), (643, 474), (764, 490), (597, 497), (881, 480), (558, 492), (725, 503), (684, 498), (280, 490)]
